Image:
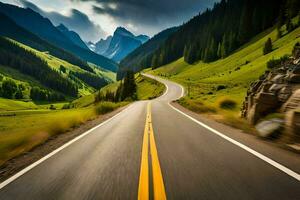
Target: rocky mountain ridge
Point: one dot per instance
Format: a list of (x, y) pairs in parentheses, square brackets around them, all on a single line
[(277, 91), (118, 46)]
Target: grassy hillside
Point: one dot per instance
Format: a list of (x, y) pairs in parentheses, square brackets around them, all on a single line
[(55, 63), (28, 82), (209, 83), (146, 88)]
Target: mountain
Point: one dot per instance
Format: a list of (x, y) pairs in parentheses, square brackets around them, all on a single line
[(14, 31), (215, 33), (218, 32), (140, 58), (142, 38), (91, 45), (120, 45), (42, 27), (71, 35), (102, 45)]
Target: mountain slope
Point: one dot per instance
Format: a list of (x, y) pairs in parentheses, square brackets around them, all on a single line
[(35, 69), (142, 38), (73, 36), (140, 58), (217, 32), (122, 43), (20, 34), (234, 73), (43, 28), (102, 45)]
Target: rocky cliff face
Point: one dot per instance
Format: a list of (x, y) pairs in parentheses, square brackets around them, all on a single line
[(277, 91)]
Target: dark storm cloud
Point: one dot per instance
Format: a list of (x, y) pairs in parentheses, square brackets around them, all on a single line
[(76, 21), (150, 14)]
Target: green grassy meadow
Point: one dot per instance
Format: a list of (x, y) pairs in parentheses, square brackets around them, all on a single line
[(229, 78), (20, 131), (25, 124)]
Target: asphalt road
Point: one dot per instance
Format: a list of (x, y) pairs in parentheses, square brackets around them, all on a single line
[(195, 162)]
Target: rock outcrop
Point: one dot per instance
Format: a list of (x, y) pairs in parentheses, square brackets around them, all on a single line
[(277, 91)]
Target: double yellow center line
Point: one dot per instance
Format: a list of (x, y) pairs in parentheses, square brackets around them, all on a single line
[(158, 183)]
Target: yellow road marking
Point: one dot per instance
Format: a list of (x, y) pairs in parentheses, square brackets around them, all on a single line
[(143, 193), (158, 184)]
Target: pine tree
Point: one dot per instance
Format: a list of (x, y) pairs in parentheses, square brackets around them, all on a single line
[(289, 25), (219, 53), (246, 22), (186, 53), (268, 47), (279, 33)]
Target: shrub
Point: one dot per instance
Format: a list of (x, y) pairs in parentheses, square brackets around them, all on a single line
[(52, 107), (221, 87), (66, 106), (237, 69), (196, 106), (9, 88), (227, 104), (105, 107), (296, 50), (277, 62)]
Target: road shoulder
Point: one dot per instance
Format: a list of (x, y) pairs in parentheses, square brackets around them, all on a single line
[(272, 150), (18, 163)]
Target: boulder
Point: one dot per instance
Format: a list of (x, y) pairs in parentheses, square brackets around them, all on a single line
[(276, 87), (267, 98), (266, 86), (280, 79), (292, 126), (296, 61), (296, 70), (294, 78), (292, 103), (270, 128), (284, 94), (281, 70), (257, 111)]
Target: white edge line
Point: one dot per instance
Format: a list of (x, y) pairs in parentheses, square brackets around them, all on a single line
[(246, 148), (27, 169)]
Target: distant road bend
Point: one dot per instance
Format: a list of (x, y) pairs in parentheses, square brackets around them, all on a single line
[(152, 150)]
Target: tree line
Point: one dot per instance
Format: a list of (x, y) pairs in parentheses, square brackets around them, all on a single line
[(14, 56), (218, 32), (9, 89), (89, 78), (12, 30), (126, 90)]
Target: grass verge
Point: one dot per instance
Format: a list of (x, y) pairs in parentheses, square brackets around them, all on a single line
[(21, 131)]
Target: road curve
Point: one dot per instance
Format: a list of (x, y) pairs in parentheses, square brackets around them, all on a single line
[(195, 162)]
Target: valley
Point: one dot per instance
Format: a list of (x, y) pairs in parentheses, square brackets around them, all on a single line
[(149, 100)]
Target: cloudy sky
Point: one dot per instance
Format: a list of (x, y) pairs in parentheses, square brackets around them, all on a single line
[(95, 19)]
